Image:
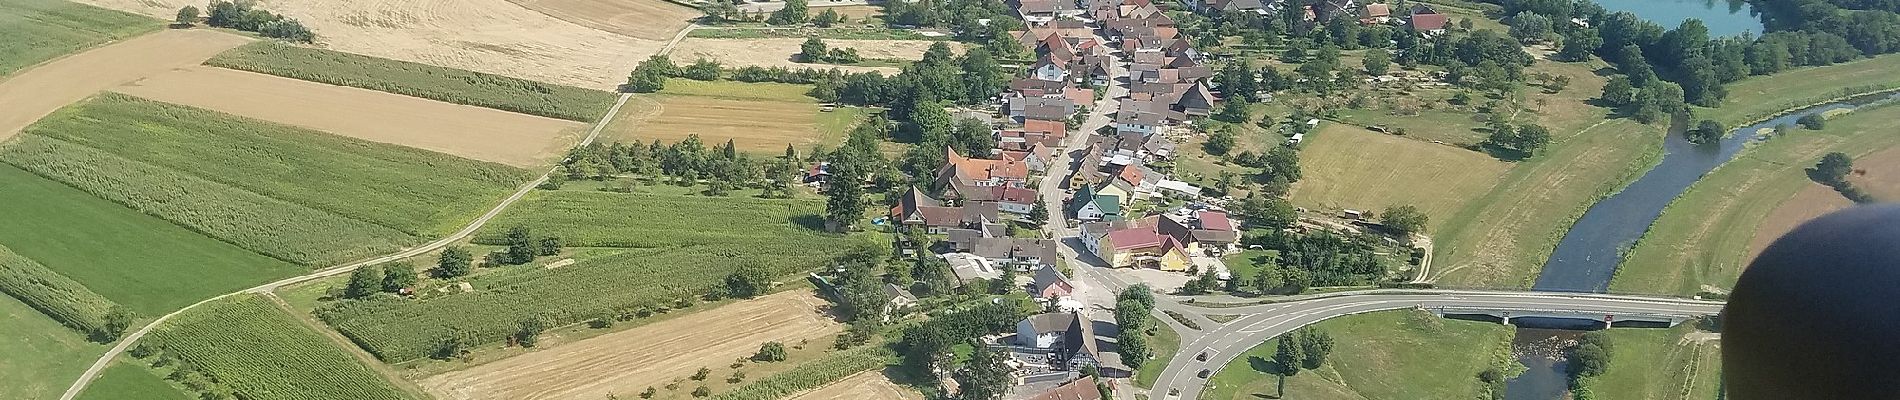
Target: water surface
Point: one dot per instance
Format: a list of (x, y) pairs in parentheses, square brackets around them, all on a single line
[(1724, 17)]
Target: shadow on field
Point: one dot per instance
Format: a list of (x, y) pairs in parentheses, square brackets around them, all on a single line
[(812, 222)]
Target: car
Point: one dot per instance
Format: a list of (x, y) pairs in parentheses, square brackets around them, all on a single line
[(1204, 373), (1201, 357)]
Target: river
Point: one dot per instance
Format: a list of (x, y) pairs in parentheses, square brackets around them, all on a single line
[(1723, 17)]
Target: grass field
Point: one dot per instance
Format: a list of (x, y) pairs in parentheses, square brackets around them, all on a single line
[(127, 380), (1706, 237), (40, 30), (143, 262), (1383, 355), (59, 297), (1348, 167), (1760, 97), (1659, 364), (420, 80), (757, 117), (258, 351), (684, 245), (42, 357), (414, 191), (1164, 344)]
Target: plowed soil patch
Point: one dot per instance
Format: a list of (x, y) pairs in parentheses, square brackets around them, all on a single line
[(34, 93), (627, 362), (865, 385), (471, 132)]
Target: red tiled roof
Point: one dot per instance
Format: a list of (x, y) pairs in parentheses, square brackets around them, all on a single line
[(1135, 238), (982, 169), (1216, 221), (1081, 389), (1429, 22)]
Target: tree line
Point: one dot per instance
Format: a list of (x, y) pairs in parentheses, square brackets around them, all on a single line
[(686, 162), (244, 15)]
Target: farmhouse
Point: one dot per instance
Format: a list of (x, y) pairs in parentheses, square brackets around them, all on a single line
[(978, 172), (897, 301), (918, 211), (1051, 284), (1080, 389), (1070, 342), (1138, 248)]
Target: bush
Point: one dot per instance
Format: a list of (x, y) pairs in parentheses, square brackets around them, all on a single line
[(1813, 121), (770, 352)]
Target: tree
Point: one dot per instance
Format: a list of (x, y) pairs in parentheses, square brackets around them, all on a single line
[(118, 319), (748, 281), (1140, 293), (1315, 345), (973, 137), (1619, 91), (827, 18), (529, 330), (187, 16), (1269, 277), (813, 50), (288, 29), (702, 391), (933, 275), (1134, 348), (795, 12), (1529, 27), (1706, 131), (1130, 315), (986, 376), (1404, 219), (398, 276), (1221, 141), (1833, 168), (702, 70), (454, 262), (702, 374), (718, 11), (1039, 213), (1812, 121), (645, 80), (1377, 62), (770, 352), (364, 281), (521, 246), (1286, 360), (548, 246)]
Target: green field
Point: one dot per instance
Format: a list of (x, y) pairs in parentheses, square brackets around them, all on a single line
[(127, 380), (1761, 97), (1164, 344), (420, 80), (40, 30), (415, 191), (258, 351), (1383, 355), (145, 263), (41, 357), (1658, 364), (269, 226), (681, 246), (57, 296), (760, 118), (1705, 236), (1438, 179)]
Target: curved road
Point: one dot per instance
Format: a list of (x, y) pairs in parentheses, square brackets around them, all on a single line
[(1262, 322), (128, 340)]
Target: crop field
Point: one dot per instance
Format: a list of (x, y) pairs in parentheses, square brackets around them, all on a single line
[(817, 374), (627, 362), (492, 36), (128, 380), (673, 266), (1707, 236), (783, 52), (142, 262), (55, 295), (258, 351), (757, 117), (470, 132), (1339, 173), (419, 80), (868, 384), (1763, 96), (40, 30), (30, 95), (645, 19), (42, 357), (277, 228), (415, 191), (1658, 364), (1383, 355)]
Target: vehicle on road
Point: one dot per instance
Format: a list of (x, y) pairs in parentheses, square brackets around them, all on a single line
[(1204, 373), (1201, 357)]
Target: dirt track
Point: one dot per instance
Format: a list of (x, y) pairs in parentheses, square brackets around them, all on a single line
[(629, 361), (493, 36), (864, 385), (31, 94), (473, 132)]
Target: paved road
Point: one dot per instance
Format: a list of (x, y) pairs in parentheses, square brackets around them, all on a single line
[(1262, 322), (126, 342)]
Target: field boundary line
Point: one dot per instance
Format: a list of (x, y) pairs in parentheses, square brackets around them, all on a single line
[(99, 365)]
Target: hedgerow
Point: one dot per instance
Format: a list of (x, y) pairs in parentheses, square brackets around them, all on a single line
[(420, 80), (61, 298)]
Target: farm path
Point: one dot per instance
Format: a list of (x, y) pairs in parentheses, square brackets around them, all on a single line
[(126, 343), (38, 91)]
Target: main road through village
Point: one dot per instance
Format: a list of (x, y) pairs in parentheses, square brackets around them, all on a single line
[(1223, 342)]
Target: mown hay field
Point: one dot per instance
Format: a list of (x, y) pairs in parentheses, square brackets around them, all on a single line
[(42, 357), (418, 192), (1661, 364), (57, 296), (872, 384), (420, 80), (692, 244), (40, 30), (129, 380), (1405, 354), (757, 117), (1759, 97), (1339, 171), (140, 261), (260, 352)]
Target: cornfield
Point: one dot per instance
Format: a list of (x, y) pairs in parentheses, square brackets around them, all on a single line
[(812, 375), (419, 80), (59, 297), (262, 353)]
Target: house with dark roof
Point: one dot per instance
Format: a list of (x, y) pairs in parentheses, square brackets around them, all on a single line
[(1087, 205), (1071, 342), (1040, 108), (918, 211), (1050, 283), (897, 301), (1017, 253)]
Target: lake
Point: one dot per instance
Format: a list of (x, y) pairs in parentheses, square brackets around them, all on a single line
[(1724, 17)]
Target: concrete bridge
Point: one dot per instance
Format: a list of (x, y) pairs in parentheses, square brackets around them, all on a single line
[(1505, 314)]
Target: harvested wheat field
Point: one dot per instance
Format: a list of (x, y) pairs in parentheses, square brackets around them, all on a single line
[(34, 93), (493, 36), (629, 361), (467, 131), (645, 19), (1881, 179), (782, 52), (864, 385)]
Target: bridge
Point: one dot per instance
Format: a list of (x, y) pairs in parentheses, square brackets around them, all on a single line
[(1224, 342)]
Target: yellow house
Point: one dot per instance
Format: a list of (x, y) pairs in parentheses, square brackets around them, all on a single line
[(1118, 189), (1143, 248)]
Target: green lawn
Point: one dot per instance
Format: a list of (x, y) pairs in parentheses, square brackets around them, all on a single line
[(607, 219), (142, 262), (415, 191), (1164, 343), (420, 80), (1760, 97), (1706, 236), (1438, 179), (128, 380), (41, 357), (1383, 355), (1658, 364), (40, 30), (251, 347)]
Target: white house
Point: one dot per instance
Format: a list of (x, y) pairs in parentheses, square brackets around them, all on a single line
[(1049, 70), (1144, 123)]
